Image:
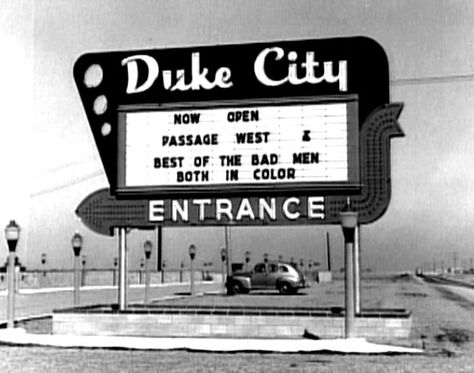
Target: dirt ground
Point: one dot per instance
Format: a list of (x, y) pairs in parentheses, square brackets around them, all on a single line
[(443, 325), (442, 320)]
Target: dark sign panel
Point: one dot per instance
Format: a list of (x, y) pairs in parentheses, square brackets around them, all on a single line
[(260, 119), (254, 134), (101, 211)]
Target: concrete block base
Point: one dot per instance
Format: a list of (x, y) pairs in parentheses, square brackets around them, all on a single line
[(226, 322)]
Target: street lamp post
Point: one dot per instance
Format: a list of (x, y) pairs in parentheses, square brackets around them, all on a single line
[(147, 247), (223, 256), (76, 247), (163, 266), (247, 260), (192, 255), (348, 219), (114, 279), (208, 273), (301, 267), (43, 262), (265, 260), (83, 276), (140, 274), (12, 235)]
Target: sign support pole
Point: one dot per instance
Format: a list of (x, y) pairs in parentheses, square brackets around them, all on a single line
[(349, 325), (159, 247), (122, 286), (348, 219), (356, 259)]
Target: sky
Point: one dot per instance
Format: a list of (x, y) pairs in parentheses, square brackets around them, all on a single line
[(49, 161)]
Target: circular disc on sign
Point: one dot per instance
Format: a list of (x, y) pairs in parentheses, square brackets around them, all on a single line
[(106, 129), (100, 105), (93, 76)]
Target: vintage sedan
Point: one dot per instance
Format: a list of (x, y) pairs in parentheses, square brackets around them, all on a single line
[(281, 276)]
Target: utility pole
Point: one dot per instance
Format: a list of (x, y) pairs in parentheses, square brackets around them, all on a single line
[(328, 251), (227, 249), (159, 247)]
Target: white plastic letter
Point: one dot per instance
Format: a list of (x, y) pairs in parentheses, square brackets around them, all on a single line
[(341, 76), (245, 209), (291, 215), (156, 211), (182, 210), (132, 70), (223, 207), (202, 206), (315, 207), (264, 207), (223, 76), (259, 67)]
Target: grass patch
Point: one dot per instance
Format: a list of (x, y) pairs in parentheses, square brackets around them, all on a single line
[(455, 335), (413, 294), (404, 277)]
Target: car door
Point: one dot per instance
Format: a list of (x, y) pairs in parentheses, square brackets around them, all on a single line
[(272, 275), (259, 276)]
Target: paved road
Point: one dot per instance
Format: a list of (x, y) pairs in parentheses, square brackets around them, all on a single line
[(43, 301), (462, 287), (466, 293)]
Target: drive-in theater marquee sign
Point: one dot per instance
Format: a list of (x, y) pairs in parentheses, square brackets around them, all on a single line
[(271, 133)]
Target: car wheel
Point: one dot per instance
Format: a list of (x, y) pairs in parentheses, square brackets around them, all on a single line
[(237, 288), (284, 288), (229, 290)]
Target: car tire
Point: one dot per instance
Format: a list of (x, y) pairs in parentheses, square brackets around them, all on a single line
[(284, 288), (237, 288)]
